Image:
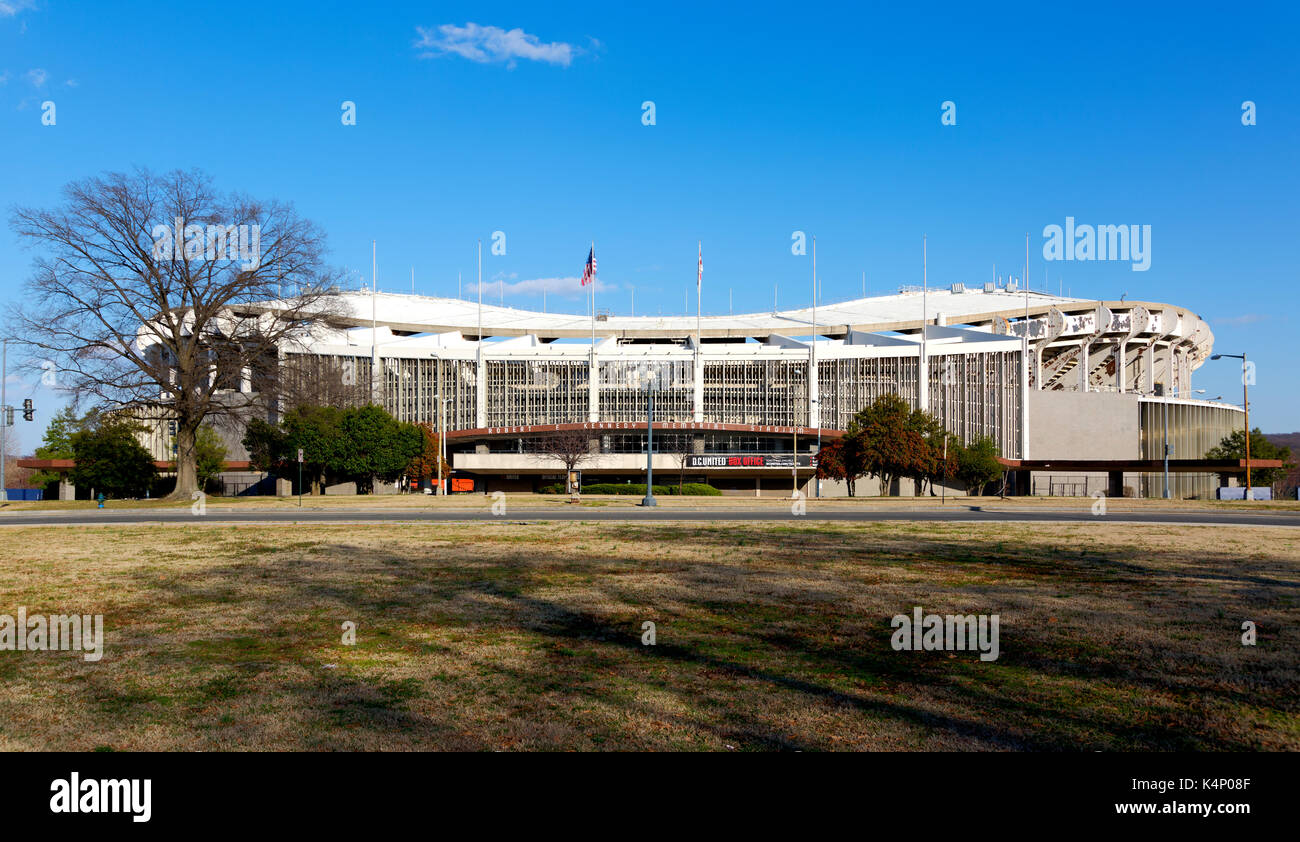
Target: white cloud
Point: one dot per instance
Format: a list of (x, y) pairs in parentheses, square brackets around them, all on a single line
[(36, 76), (564, 287), (4, 77), (9, 8), (487, 44)]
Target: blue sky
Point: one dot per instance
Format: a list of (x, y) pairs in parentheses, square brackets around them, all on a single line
[(783, 118)]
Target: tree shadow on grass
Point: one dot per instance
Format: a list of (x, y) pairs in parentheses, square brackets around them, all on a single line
[(787, 633)]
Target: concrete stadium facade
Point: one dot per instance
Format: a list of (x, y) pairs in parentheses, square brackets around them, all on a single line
[(1046, 377)]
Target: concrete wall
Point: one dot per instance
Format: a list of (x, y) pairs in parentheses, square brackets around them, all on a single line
[(1084, 425)]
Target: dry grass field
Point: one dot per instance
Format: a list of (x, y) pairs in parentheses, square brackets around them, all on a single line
[(511, 636)]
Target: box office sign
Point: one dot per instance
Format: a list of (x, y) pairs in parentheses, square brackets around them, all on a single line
[(749, 460)]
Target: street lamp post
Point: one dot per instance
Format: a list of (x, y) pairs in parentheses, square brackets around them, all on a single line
[(442, 441), (650, 380), (1245, 405)]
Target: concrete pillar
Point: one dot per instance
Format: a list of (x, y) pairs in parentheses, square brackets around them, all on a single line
[(698, 413), (758, 486), (593, 387), (923, 377), (480, 389), (67, 491), (1083, 365), (814, 407), (1119, 365), (1024, 407)]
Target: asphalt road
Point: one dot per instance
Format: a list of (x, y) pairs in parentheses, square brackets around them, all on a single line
[(955, 513)]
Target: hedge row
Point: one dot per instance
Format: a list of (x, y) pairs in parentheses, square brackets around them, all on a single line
[(694, 489)]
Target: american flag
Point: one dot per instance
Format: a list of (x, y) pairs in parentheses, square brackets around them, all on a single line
[(699, 279), (589, 271)]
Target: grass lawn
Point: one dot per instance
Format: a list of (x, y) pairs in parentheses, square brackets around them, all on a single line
[(513, 636)]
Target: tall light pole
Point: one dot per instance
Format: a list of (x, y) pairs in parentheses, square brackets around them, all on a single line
[(1245, 405), (649, 379), (442, 441), (441, 402)]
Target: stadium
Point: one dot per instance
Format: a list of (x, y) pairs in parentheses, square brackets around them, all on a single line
[(1080, 395)]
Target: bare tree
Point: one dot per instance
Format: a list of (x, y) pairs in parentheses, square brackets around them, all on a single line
[(158, 294), (681, 448), (572, 448), (311, 380)]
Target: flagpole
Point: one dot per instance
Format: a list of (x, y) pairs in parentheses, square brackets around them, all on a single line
[(480, 302), (374, 328), (814, 313), (699, 281)]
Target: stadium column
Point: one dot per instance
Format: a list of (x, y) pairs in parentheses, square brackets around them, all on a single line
[(1084, 364), (814, 389), (1119, 365), (1150, 355), (593, 385), (922, 376), (1022, 392), (480, 389), (698, 413)]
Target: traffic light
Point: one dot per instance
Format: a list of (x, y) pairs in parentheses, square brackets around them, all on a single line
[(28, 410)]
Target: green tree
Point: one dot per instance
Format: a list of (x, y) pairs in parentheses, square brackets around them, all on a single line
[(978, 465), (1234, 447), (267, 446), (111, 460), (374, 445), (210, 454), (317, 431)]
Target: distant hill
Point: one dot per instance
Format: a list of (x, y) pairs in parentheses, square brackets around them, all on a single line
[(1291, 440)]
